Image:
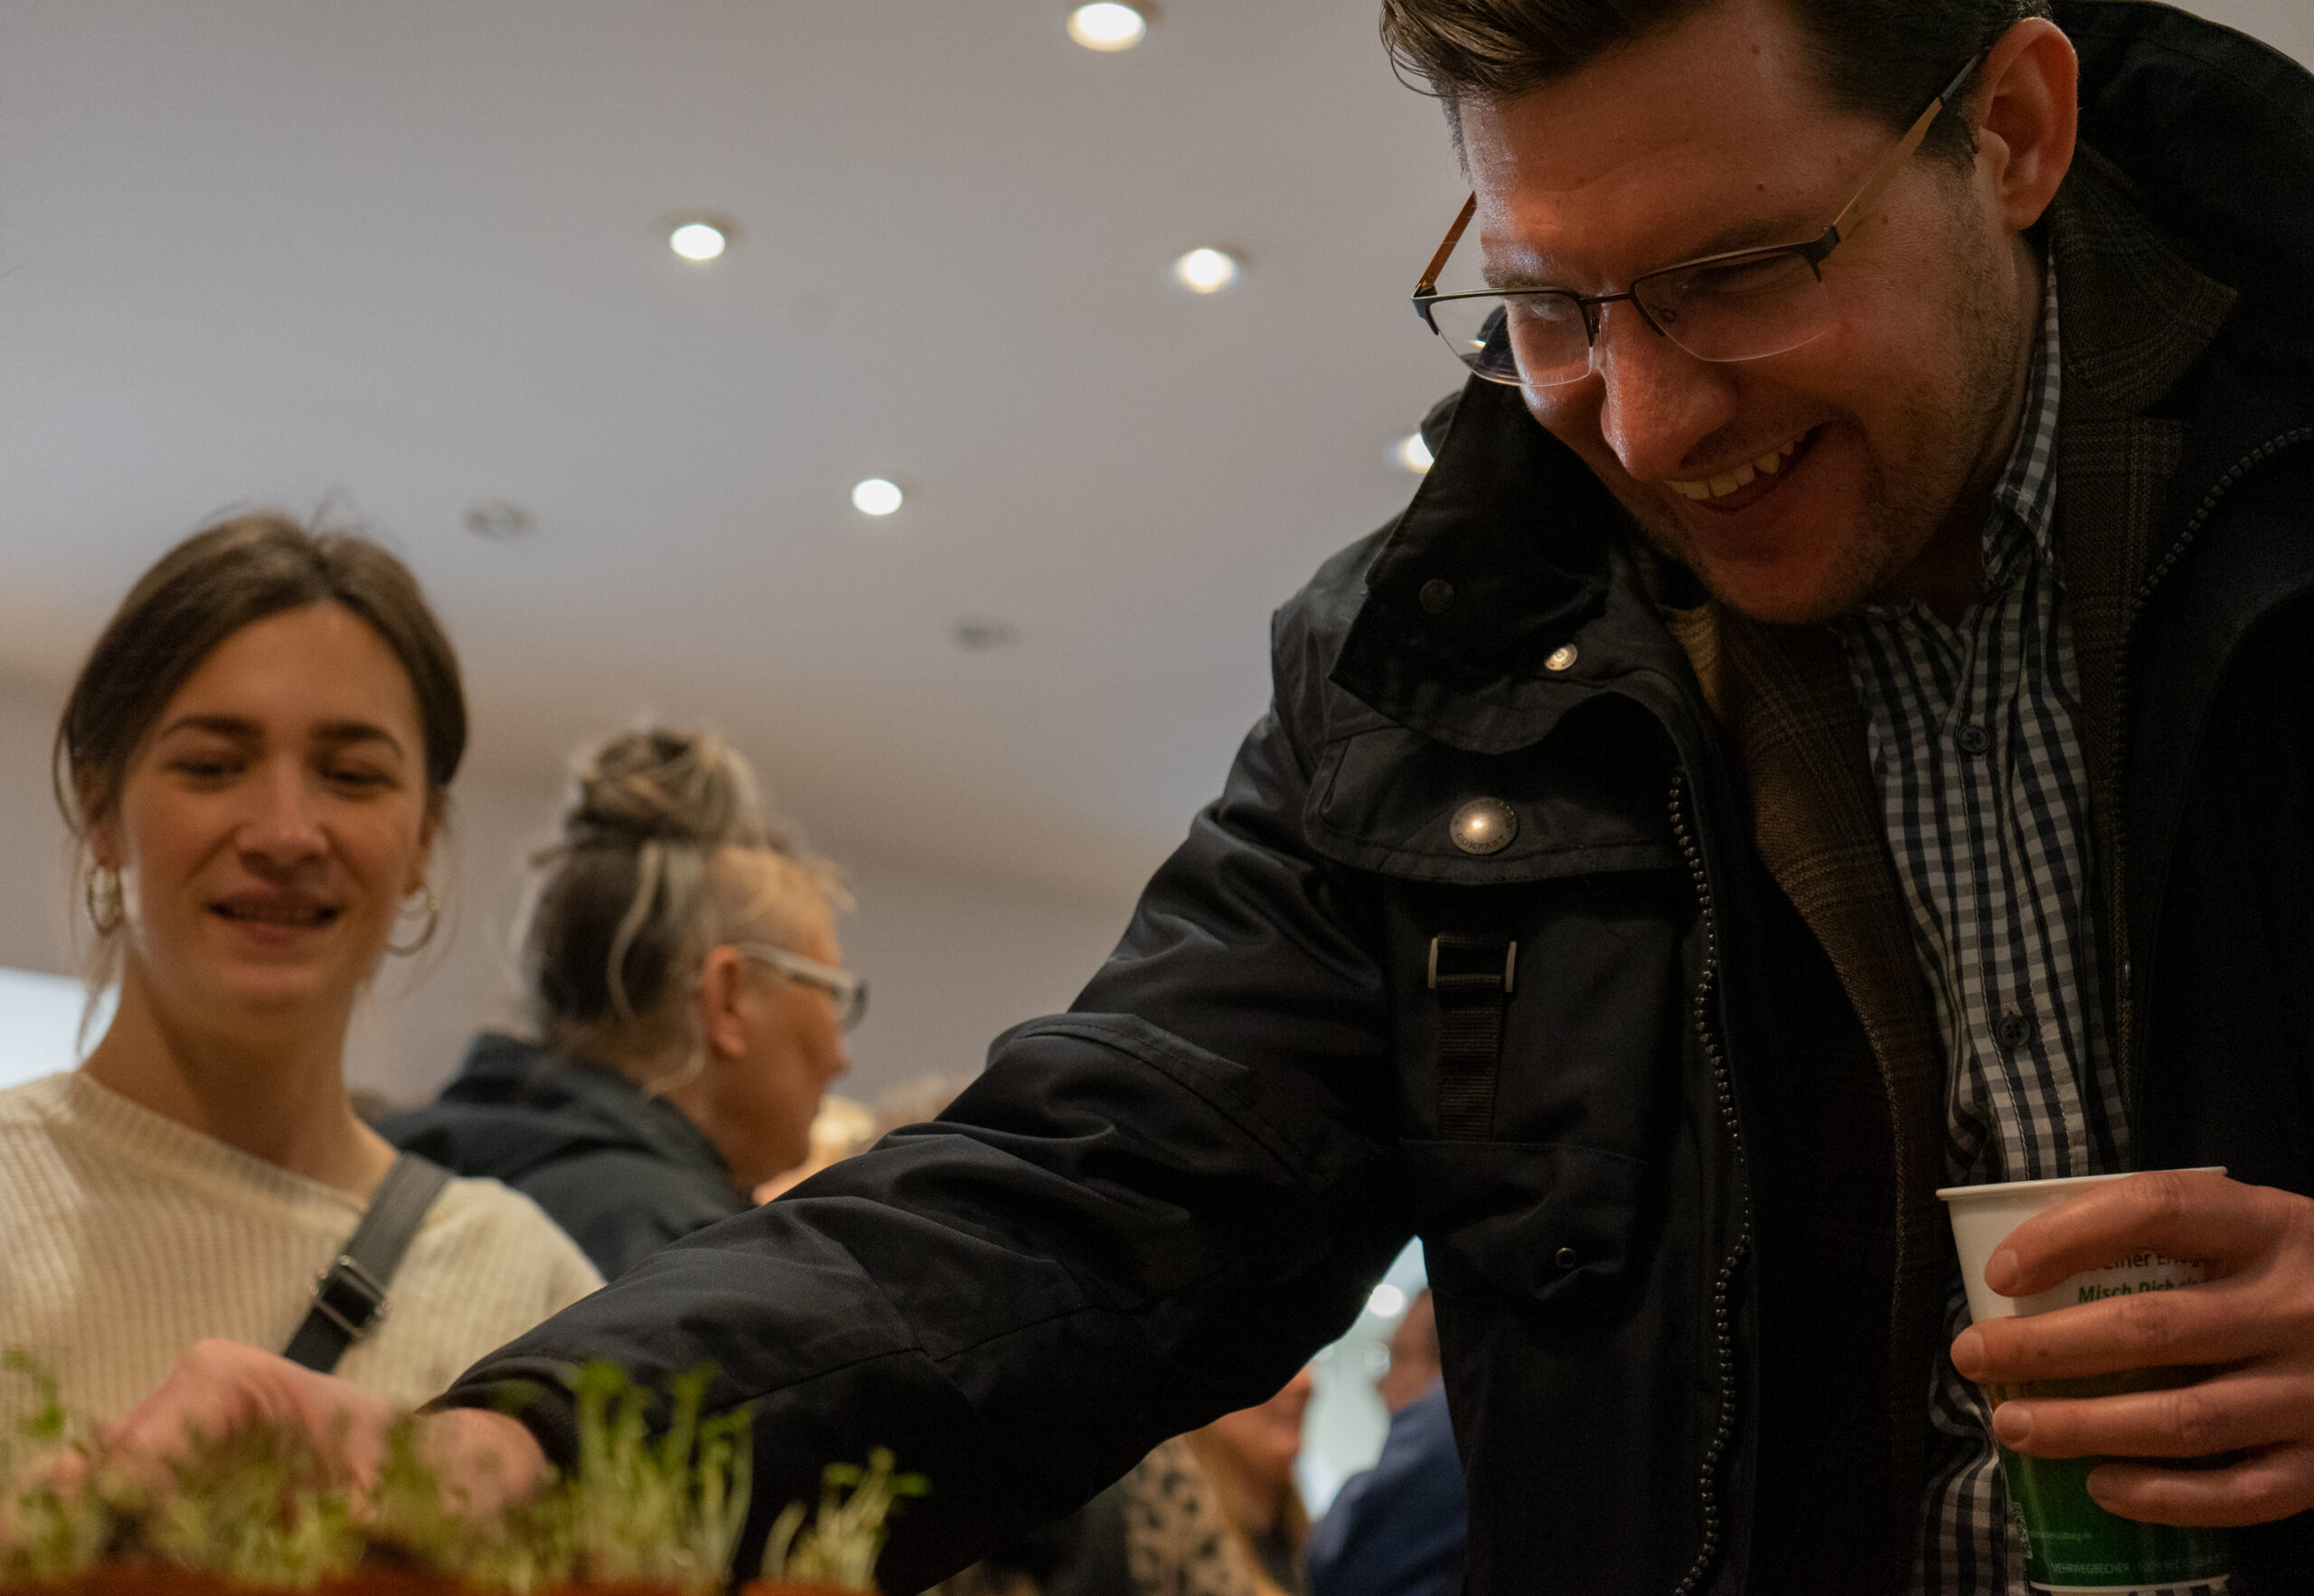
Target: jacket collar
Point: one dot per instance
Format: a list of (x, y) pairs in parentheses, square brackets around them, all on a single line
[(1511, 551), (564, 1095)]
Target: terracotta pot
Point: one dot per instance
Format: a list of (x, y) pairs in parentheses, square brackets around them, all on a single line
[(142, 1580)]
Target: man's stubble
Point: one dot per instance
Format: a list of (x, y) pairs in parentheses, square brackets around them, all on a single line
[(1958, 424)]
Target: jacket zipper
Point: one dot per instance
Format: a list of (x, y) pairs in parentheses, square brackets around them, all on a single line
[(2133, 1074), (1722, 1321)]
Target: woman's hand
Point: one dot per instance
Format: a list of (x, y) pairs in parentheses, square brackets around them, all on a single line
[(484, 1459)]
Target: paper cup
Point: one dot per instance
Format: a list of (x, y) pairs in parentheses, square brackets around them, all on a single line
[(2072, 1544)]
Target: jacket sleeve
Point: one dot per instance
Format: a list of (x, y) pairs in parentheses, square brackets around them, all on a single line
[(1147, 1212)]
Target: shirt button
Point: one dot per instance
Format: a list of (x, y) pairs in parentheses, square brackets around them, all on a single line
[(2014, 1030), (1436, 596), (1483, 825), (1973, 739), (1562, 658), (1568, 1258)]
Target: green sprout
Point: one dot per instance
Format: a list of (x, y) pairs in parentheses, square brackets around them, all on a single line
[(646, 1505), (49, 1532), (847, 1535)]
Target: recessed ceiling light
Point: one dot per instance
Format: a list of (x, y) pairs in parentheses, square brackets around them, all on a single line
[(1107, 25), (1411, 453), (1207, 271), (498, 519), (1386, 1301), (875, 496), (698, 241)]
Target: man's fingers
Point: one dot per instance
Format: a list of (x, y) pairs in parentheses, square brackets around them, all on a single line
[(2270, 1485), (2225, 1413), (2185, 1214), (2222, 1322), (487, 1459)]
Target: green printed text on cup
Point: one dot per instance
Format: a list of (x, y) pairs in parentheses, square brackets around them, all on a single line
[(2071, 1543)]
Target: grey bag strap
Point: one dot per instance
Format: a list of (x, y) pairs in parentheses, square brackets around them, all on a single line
[(350, 1296)]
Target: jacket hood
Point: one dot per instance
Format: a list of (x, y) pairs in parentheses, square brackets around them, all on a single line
[(1510, 548), (515, 1105)]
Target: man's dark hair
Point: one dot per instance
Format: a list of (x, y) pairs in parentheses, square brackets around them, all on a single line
[(1883, 57)]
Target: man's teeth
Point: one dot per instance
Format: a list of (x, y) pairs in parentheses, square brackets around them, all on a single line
[(1743, 476)]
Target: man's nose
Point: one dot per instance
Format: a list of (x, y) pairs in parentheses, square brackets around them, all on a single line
[(283, 824), (1660, 401)]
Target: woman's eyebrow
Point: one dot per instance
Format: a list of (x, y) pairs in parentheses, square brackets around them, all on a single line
[(337, 733), (224, 726), (341, 733)]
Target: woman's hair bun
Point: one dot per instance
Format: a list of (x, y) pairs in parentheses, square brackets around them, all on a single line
[(657, 784)]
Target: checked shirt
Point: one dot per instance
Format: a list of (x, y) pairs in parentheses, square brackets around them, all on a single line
[(1985, 798)]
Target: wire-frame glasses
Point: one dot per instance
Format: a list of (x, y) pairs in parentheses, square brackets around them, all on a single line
[(1745, 304), (848, 992)]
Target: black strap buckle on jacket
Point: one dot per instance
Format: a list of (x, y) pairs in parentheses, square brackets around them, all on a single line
[(1472, 974)]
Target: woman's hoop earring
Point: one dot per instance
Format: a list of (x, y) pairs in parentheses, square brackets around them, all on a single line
[(100, 890), (433, 924)]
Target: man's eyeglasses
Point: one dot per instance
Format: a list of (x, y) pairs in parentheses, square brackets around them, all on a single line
[(1745, 304), (849, 992)]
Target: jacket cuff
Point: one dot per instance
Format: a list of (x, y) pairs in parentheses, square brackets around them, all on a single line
[(535, 1392)]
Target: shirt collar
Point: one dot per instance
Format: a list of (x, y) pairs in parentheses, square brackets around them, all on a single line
[(2027, 494)]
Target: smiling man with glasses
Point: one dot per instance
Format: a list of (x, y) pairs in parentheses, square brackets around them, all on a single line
[(1911, 493), (1836, 721)]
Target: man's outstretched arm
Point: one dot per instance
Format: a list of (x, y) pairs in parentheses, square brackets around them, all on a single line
[(1149, 1211)]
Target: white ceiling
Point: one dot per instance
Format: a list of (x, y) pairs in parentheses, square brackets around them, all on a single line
[(409, 255)]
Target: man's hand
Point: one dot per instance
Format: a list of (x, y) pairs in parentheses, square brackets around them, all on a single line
[(221, 1387), (2252, 1321)]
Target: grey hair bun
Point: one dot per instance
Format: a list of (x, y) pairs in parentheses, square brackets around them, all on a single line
[(664, 785), (644, 877)]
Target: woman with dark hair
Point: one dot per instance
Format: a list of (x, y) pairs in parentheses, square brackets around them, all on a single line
[(255, 763), (690, 999)]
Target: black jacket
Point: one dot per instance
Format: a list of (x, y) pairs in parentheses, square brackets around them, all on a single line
[(623, 1173), (1152, 1209)]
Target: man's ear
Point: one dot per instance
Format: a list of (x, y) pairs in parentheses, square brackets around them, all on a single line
[(2028, 107), (721, 985)]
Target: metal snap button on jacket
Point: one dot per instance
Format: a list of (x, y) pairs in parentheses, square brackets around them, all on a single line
[(1562, 658), (1568, 1258), (1436, 595), (1484, 825)]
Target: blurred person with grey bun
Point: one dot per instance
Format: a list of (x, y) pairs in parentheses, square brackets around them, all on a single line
[(690, 1002)]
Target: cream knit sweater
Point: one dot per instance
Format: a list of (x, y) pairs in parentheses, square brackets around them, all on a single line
[(124, 1238)]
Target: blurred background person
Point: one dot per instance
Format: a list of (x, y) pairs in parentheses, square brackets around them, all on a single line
[(1212, 1513), (1249, 1457), (844, 1127), (1398, 1529), (690, 1004), (255, 764)]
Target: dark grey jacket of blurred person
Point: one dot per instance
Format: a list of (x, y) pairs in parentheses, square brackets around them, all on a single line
[(622, 1172), (1688, 1257)]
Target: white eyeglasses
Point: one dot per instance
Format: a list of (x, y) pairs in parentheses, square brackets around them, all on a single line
[(849, 992)]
